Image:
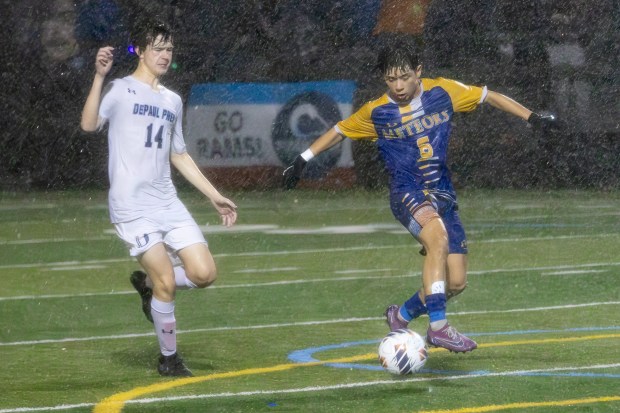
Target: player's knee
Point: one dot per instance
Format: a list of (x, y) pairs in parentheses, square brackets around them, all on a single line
[(437, 246), (203, 276), (455, 288)]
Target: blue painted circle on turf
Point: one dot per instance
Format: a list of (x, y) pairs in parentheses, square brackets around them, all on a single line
[(306, 355)]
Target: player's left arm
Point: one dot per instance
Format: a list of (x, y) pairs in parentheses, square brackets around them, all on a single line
[(184, 163), (503, 102)]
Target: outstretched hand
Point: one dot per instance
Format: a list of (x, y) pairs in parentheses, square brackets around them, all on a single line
[(104, 60), (292, 174), (543, 122), (227, 210)]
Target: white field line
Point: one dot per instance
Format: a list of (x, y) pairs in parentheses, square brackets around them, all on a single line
[(572, 272), (54, 240), (299, 324), (360, 271), (550, 238), (247, 285), (224, 255), (321, 280), (305, 251), (76, 268), (274, 230), (265, 270), (312, 389), (31, 206)]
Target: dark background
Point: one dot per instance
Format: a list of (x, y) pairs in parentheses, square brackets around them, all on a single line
[(552, 56)]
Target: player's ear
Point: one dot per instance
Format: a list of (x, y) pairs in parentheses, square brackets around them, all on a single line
[(418, 71)]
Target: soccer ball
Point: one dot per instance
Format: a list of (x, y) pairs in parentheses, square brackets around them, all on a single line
[(402, 352)]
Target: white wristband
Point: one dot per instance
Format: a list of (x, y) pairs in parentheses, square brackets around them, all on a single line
[(307, 155)]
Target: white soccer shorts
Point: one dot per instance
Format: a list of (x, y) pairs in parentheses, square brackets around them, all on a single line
[(173, 225)]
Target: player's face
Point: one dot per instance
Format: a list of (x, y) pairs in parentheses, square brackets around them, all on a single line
[(158, 56), (403, 85)]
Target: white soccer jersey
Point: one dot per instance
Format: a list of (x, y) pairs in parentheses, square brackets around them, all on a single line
[(144, 126)]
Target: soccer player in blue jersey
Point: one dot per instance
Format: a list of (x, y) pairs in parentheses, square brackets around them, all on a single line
[(411, 125)]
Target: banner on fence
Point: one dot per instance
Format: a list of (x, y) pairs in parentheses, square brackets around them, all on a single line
[(266, 124)]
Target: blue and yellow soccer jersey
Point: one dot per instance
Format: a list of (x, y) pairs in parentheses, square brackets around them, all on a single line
[(413, 139)]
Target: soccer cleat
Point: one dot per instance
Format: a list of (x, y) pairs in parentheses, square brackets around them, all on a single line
[(392, 319), (138, 280), (447, 337), (173, 366)]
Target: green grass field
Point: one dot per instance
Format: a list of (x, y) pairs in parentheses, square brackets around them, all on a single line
[(294, 320)]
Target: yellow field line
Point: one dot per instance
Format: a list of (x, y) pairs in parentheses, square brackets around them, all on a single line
[(525, 405), (115, 403)]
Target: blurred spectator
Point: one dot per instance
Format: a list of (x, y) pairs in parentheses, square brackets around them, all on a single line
[(46, 149), (99, 22), (402, 16), (460, 39), (59, 43), (525, 30), (584, 61)]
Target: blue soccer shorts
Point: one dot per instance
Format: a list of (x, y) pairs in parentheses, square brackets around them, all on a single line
[(406, 206)]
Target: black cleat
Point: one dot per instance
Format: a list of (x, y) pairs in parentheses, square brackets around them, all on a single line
[(138, 280), (173, 366)]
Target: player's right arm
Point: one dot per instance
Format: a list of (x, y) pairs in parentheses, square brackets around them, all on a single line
[(325, 141), (357, 126), (90, 112), (292, 174)]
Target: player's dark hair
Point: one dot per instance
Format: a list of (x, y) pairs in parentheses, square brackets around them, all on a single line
[(398, 52), (146, 31)]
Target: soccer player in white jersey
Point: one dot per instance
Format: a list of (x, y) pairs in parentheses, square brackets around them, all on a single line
[(144, 137)]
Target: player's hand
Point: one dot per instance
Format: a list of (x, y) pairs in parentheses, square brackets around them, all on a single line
[(104, 60), (292, 174), (227, 210), (543, 122)]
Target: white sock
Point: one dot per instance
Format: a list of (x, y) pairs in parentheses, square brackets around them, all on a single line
[(181, 280), (165, 326)]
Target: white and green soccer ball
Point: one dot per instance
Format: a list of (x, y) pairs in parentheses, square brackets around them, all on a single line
[(402, 352)]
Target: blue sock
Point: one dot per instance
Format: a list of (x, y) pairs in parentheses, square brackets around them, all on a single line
[(413, 308), (436, 305)]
